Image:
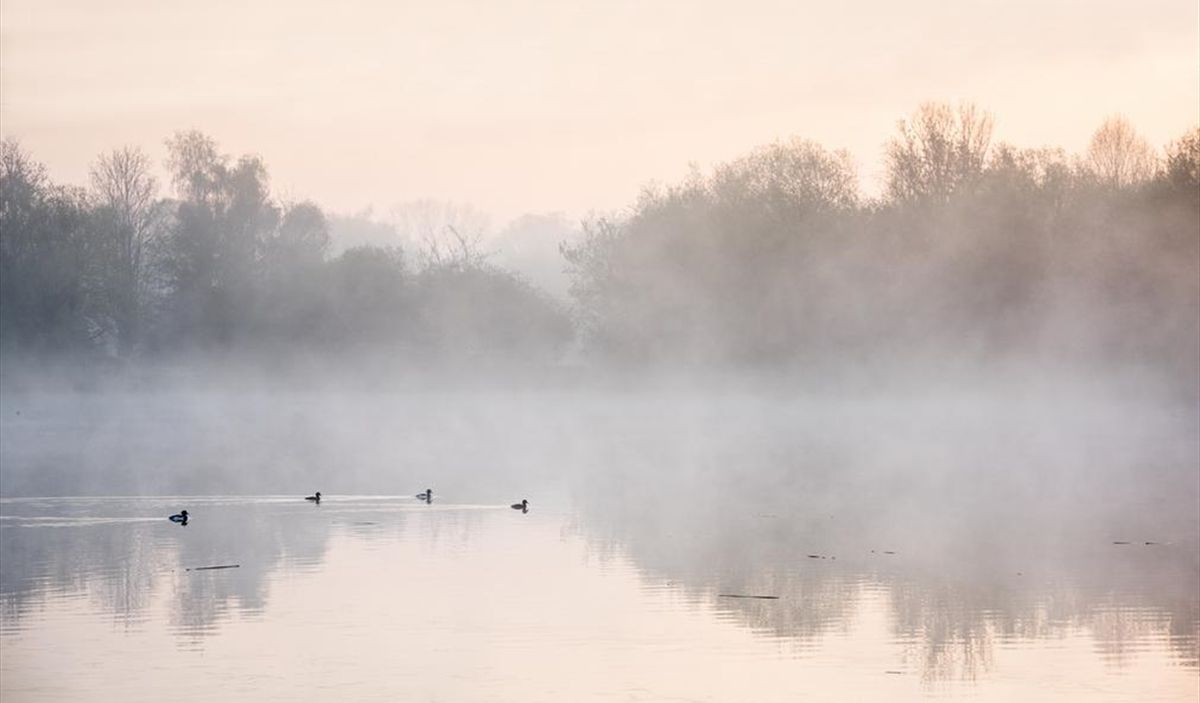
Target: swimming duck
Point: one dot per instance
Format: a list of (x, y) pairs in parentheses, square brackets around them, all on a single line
[(316, 498), (427, 496), (523, 506), (181, 518)]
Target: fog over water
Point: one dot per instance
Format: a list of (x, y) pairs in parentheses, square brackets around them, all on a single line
[(947, 527), (770, 429)]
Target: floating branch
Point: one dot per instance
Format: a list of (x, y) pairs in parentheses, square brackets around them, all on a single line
[(739, 595), (211, 568)]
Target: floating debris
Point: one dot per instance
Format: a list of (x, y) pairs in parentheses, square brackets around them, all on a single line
[(893, 672), (212, 568), (739, 595), (1120, 542)]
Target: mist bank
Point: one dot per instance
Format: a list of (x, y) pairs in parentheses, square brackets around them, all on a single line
[(978, 260), (831, 381), (930, 463)]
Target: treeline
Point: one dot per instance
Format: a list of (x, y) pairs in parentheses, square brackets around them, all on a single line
[(119, 271), (974, 251)]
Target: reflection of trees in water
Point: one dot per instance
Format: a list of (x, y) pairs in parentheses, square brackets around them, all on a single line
[(1122, 631), (125, 567), (260, 540), (116, 564), (122, 566), (1184, 632), (981, 558), (952, 627), (946, 634), (1127, 622)]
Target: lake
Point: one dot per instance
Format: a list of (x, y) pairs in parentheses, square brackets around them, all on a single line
[(676, 548)]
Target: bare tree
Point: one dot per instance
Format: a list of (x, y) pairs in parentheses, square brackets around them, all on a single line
[(445, 234), (937, 150), (1118, 155), (127, 198)]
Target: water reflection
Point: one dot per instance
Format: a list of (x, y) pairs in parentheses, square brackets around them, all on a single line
[(956, 585), (476, 580), (114, 551)]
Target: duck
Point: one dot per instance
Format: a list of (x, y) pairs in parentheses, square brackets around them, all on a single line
[(314, 498), (427, 496), (181, 517), (523, 506)]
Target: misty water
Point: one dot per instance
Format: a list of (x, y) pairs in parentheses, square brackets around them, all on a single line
[(1012, 541)]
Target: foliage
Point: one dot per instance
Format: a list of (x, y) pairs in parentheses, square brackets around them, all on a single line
[(225, 266), (976, 252)]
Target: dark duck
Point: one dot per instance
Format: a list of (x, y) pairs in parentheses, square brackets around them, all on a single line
[(314, 498), (180, 517), (427, 496), (523, 506)]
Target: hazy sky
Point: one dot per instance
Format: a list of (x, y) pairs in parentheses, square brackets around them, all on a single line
[(569, 105)]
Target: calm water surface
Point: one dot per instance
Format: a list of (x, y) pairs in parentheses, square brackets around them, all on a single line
[(386, 598)]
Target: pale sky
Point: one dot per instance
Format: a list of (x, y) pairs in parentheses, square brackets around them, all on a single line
[(560, 105)]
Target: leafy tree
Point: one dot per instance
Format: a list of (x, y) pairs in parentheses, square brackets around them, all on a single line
[(301, 239), (369, 298), (1182, 164), (222, 224), (290, 298), (676, 278), (485, 313), (46, 260)]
